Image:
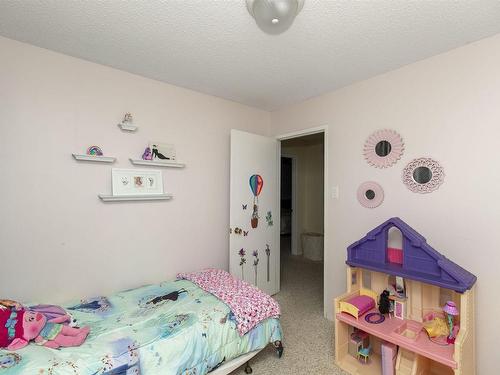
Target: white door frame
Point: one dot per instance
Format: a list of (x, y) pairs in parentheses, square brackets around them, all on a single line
[(301, 133), (295, 228)]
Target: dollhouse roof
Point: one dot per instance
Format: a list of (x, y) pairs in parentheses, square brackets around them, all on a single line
[(420, 261)]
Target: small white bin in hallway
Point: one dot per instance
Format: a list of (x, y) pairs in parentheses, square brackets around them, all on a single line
[(312, 246)]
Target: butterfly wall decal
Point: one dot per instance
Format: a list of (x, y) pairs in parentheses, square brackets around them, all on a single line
[(244, 206), (269, 218), (238, 231)]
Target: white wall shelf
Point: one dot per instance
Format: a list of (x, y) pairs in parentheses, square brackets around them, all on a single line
[(94, 158), (123, 198), (157, 163), (128, 127)]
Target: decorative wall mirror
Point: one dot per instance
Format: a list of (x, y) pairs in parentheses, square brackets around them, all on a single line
[(383, 148), (423, 175), (370, 194)]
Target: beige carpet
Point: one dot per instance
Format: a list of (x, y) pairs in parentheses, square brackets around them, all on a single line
[(308, 335)]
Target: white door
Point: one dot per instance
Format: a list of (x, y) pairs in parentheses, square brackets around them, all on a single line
[(254, 210)]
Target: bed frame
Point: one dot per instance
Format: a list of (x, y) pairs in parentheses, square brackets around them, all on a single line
[(345, 306), (232, 365)]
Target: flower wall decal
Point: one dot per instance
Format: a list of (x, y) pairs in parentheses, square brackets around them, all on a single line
[(255, 264), (242, 253), (268, 254)]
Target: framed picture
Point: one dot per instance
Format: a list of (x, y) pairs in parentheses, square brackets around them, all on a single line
[(162, 151), (136, 181), (399, 309)]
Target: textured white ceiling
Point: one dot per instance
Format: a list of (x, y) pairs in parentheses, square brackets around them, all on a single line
[(214, 46)]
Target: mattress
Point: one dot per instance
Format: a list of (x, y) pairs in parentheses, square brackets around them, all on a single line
[(363, 303), (169, 328)]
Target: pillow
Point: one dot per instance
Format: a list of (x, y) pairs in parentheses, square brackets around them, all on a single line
[(436, 327), (363, 303)]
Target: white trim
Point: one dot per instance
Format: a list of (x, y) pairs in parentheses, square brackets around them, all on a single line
[(94, 158), (303, 133), (121, 198), (326, 302), (233, 364), (277, 230), (295, 229), (128, 127), (300, 133), (157, 163)]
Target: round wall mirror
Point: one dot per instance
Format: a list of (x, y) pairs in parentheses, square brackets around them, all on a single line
[(370, 194), (383, 148), (423, 175)]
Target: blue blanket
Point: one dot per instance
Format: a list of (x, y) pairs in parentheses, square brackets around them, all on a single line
[(170, 328)]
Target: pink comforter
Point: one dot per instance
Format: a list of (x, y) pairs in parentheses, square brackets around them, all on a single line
[(249, 305)]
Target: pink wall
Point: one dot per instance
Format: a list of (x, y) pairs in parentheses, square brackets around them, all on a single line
[(446, 107), (65, 242), (57, 240)]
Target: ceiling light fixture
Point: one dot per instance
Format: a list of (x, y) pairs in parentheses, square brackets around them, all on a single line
[(274, 16)]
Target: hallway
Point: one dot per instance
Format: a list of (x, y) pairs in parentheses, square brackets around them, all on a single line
[(308, 335)]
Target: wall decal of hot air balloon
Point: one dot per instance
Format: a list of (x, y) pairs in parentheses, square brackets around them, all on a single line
[(256, 183)]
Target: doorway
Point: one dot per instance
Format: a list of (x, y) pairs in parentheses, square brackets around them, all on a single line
[(302, 213), (287, 203)]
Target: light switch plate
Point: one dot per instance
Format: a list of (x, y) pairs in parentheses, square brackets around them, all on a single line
[(335, 192)]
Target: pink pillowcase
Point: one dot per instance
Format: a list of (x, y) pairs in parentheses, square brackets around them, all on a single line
[(363, 303)]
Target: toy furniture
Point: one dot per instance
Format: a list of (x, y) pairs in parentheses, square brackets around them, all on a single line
[(364, 352), (451, 310), (358, 340), (388, 352), (399, 307), (360, 303), (431, 280)]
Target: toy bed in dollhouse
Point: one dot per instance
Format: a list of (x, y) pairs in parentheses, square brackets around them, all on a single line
[(169, 328), (422, 336), (362, 302)]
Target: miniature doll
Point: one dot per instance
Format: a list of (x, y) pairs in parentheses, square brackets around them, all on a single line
[(384, 304)]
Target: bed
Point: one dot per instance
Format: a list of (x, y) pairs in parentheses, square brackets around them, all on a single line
[(169, 328), (359, 304)]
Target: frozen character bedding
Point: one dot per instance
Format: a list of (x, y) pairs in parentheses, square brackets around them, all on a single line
[(174, 327)]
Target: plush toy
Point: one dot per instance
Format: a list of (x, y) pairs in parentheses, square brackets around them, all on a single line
[(10, 304), (18, 328)]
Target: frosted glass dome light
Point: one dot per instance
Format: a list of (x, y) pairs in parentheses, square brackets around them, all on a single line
[(274, 16)]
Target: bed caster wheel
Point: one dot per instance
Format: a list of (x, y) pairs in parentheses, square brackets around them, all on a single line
[(280, 352), (248, 369), (279, 348)]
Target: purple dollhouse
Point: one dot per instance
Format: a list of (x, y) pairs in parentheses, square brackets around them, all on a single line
[(418, 260), (430, 281)]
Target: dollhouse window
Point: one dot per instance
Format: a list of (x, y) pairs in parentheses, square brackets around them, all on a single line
[(367, 279), (445, 295), (395, 246)]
